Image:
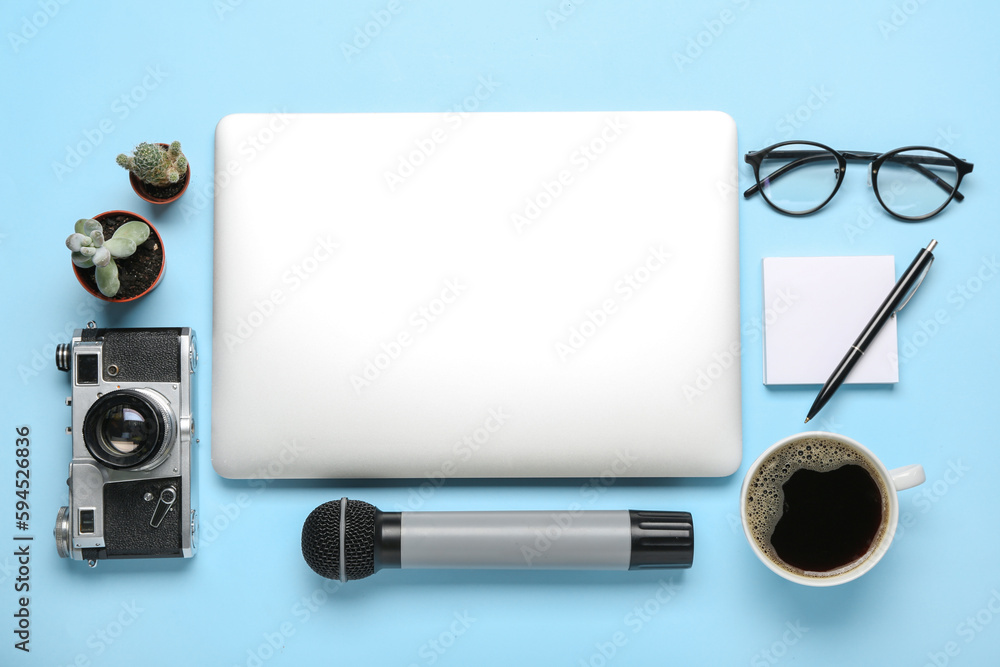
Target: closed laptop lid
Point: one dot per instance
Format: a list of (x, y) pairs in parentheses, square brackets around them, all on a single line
[(540, 294)]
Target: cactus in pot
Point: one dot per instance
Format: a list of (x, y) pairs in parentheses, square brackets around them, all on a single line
[(156, 165), (90, 248)]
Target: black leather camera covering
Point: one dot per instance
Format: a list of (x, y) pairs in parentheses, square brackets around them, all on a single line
[(142, 355), (127, 533)]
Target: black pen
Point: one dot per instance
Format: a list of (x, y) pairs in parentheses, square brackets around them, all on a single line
[(907, 285)]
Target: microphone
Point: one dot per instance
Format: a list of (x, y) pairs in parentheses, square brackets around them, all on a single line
[(351, 539)]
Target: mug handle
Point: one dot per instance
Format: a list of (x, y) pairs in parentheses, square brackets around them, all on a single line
[(907, 476)]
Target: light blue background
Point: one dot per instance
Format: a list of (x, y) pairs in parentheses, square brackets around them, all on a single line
[(857, 75)]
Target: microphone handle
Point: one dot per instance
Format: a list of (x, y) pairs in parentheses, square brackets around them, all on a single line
[(563, 540)]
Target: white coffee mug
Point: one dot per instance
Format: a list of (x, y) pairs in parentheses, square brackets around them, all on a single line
[(891, 481)]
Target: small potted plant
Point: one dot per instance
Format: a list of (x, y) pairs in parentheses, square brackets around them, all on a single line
[(159, 173), (117, 256)]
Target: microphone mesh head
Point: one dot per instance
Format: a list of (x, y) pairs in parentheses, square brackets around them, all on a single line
[(321, 540)]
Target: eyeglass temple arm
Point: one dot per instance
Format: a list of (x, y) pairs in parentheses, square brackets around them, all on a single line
[(912, 161), (805, 157), (916, 163)]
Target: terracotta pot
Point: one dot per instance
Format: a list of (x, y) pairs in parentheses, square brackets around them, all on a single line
[(163, 262), (142, 188)]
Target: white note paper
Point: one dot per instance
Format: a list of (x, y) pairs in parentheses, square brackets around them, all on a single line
[(815, 308)]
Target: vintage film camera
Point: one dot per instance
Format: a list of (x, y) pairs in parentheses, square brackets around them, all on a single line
[(131, 490)]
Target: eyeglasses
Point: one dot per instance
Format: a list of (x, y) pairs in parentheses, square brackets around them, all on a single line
[(911, 183)]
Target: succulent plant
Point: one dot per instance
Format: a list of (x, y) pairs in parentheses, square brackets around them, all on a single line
[(91, 249), (153, 164)]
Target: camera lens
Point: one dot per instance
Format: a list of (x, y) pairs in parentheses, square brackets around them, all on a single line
[(129, 428), (124, 429)]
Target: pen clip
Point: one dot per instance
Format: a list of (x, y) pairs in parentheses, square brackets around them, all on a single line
[(915, 287)]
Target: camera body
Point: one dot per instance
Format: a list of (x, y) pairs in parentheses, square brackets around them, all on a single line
[(132, 493)]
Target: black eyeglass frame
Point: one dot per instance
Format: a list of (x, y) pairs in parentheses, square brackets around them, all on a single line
[(962, 167)]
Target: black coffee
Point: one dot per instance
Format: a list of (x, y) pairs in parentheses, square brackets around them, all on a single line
[(816, 506), (829, 519)]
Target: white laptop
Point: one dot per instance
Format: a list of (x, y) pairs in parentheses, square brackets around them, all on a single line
[(443, 296)]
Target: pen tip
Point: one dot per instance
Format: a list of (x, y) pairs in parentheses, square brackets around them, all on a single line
[(806, 421)]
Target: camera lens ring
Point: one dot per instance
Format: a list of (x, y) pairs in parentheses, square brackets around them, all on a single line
[(128, 429)]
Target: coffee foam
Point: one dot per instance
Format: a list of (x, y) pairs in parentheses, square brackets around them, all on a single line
[(765, 497)]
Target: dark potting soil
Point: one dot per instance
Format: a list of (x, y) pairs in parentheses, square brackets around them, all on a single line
[(135, 273), (165, 191)]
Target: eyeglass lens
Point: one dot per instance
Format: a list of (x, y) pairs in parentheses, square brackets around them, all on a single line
[(798, 178), (916, 183)]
